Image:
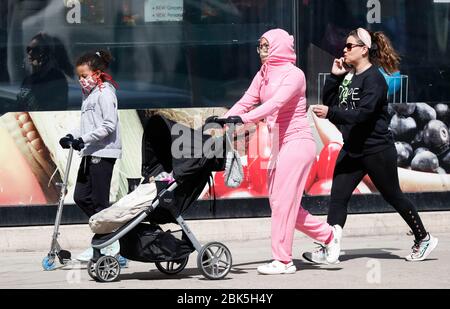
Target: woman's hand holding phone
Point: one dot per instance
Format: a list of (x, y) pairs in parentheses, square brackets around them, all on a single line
[(340, 67)]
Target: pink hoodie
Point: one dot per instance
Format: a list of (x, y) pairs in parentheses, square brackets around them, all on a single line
[(280, 86)]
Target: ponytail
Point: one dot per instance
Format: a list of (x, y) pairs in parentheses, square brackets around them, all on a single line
[(96, 60), (383, 53)]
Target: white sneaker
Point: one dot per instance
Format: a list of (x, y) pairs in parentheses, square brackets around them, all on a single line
[(111, 250), (86, 255), (277, 268), (318, 256), (334, 247), (422, 249)]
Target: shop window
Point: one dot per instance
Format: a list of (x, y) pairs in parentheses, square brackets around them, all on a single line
[(92, 11)]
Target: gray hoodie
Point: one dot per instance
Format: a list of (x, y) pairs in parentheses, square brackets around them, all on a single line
[(99, 127)]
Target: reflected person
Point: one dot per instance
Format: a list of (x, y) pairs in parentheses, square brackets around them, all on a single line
[(45, 88)]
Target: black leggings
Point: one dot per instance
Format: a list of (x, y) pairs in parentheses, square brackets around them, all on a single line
[(93, 184), (382, 169)]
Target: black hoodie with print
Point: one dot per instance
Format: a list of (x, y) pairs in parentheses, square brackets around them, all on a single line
[(359, 109)]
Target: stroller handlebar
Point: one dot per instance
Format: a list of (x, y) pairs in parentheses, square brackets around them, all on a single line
[(224, 121)]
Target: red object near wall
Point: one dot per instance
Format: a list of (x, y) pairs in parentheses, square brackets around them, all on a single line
[(255, 169), (327, 160)]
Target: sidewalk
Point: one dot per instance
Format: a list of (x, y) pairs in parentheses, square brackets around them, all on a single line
[(29, 239), (374, 262)]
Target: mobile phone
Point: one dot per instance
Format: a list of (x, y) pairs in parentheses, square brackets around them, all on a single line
[(346, 65)]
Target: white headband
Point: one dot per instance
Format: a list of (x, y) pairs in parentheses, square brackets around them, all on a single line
[(365, 37)]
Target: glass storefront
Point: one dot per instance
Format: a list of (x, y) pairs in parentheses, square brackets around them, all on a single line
[(185, 58), (167, 53), (418, 29), (202, 52)]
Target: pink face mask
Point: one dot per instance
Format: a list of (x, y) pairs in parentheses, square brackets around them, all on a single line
[(87, 84)]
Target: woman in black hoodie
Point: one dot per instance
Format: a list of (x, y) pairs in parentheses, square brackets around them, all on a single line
[(355, 100)]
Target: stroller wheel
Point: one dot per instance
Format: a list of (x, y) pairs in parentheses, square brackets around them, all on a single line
[(48, 263), (172, 267), (91, 270), (107, 269), (214, 261)]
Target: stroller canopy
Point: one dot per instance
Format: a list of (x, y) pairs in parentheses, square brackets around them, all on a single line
[(171, 147)]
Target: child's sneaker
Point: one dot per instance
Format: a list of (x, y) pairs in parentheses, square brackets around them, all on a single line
[(422, 249), (277, 268), (86, 255), (111, 250), (123, 262)]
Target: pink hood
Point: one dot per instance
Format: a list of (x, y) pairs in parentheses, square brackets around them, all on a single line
[(281, 49)]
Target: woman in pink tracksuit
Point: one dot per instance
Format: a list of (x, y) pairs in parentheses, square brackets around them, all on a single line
[(280, 86)]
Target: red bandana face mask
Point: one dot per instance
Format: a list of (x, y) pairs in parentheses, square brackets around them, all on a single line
[(87, 84), (90, 82)]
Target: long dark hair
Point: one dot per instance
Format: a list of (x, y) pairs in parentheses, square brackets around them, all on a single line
[(382, 53), (50, 50)]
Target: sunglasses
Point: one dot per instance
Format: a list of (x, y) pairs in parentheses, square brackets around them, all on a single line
[(349, 46), (261, 47)]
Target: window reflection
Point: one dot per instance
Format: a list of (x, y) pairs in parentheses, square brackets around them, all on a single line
[(201, 53), (93, 11)]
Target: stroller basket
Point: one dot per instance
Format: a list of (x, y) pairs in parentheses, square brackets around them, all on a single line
[(149, 243)]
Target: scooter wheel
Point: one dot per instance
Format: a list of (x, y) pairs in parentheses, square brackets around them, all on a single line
[(48, 263)]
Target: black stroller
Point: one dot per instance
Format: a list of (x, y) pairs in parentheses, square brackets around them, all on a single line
[(142, 239)]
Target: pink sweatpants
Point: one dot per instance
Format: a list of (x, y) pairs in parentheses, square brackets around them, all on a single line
[(286, 181)]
